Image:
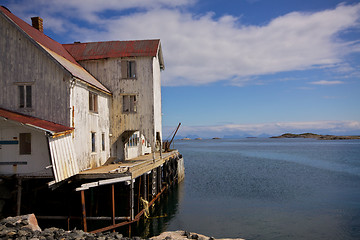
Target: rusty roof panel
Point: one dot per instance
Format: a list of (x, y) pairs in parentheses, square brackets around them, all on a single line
[(38, 123), (113, 49)]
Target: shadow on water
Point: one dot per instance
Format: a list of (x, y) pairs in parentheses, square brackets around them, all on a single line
[(162, 213)]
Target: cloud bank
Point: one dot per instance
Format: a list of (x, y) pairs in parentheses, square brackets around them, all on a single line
[(208, 48), (272, 129)]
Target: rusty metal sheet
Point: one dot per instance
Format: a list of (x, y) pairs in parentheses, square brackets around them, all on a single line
[(113, 49), (38, 123)]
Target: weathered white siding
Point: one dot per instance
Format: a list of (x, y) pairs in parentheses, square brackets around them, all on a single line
[(157, 96), (22, 61), (147, 88), (86, 122), (63, 159), (11, 162)]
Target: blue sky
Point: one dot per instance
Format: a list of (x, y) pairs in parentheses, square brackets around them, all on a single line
[(245, 67)]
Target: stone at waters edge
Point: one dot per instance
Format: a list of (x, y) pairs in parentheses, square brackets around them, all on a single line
[(26, 227)]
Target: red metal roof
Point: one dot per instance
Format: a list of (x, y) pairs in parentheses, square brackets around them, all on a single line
[(55, 47), (113, 49), (34, 122)]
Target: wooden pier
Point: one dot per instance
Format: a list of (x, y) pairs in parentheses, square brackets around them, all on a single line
[(120, 188)]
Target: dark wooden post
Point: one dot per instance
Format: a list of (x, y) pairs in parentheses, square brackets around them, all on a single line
[(145, 186), (131, 200), (139, 195), (159, 172), (83, 210), (113, 203), (18, 200)]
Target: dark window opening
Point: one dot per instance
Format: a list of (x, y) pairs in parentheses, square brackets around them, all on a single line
[(25, 143), (103, 141), (25, 96), (93, 142)]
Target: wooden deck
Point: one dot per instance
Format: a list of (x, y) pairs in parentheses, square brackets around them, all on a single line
[(132, 168)]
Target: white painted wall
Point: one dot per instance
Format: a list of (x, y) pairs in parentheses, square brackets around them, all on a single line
[(86, 122), (157, 96), (36, 161)]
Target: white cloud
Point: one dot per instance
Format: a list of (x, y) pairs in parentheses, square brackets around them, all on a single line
[(204, 49), (325, 82), (277, 128)]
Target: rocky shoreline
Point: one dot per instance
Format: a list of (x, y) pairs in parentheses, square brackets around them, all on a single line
[(316, 136), (26, 228)]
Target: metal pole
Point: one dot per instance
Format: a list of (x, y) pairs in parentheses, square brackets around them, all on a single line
[(83, 210)]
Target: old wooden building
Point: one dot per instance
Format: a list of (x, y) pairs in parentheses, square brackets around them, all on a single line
[(82, 115)]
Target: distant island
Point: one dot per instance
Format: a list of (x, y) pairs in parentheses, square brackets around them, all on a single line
[(316, 136)]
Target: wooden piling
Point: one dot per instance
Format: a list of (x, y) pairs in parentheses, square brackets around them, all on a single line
[(132, 200), (83, 210), (113, 203), (18, 200)]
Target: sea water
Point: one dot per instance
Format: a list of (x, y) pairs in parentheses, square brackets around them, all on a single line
[(266, 189)]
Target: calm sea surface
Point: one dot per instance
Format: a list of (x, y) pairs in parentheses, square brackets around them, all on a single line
[(266, 189)]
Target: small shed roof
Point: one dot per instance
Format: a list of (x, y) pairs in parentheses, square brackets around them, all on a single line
[(53, 128), (49, 44), (115, 49)]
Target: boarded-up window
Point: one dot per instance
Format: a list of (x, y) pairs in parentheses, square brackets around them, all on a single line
[(93, 142), (128, 69), (25, 143), (129, 103), (93, 102), (25, 96)]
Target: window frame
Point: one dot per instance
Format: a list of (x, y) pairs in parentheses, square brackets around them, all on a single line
[(129, 103), (25, 99), (128, 69), (93, 102), (25, 143), (93, 142)]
